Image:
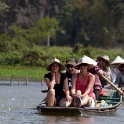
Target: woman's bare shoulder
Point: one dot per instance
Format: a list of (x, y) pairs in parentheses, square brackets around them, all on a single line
[(74, 76), (91, 75)]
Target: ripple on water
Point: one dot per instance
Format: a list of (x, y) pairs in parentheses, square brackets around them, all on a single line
[(18, 103)]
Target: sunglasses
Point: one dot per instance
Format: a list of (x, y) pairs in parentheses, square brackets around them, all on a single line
[(83, 64), (69, 66), (104, 60)]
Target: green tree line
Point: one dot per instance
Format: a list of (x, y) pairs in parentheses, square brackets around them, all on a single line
[(95, 23)]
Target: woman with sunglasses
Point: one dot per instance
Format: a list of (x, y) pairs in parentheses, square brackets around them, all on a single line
[(82, 85)]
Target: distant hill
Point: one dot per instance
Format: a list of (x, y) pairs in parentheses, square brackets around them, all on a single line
[(25, 12)]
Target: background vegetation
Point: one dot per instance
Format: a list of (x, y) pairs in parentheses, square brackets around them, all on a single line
[(34, 32), (99, 23), (33, 65)]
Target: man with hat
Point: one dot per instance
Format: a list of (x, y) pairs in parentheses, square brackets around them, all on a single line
[(120, 77), (70, 70), (115, 63), (104, 65)]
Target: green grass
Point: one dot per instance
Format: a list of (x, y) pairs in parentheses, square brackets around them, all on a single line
[(32, 73), (62, 53)]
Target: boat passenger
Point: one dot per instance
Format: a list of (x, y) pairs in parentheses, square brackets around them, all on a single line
[(120, 76), (82, 84), (55, 80), (70, 70), (104, 65), (115, 63), (97, 85)]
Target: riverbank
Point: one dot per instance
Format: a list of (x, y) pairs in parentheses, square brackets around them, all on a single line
[(22, 72)]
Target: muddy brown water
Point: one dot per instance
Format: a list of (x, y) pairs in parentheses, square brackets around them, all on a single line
[(18, 103)]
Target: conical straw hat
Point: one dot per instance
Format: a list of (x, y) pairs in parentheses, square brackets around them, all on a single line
[(87, 60), (117, 60), (105, 57)]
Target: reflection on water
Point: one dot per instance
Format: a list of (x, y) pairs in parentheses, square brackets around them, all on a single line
[(18, 103), (68, 120)]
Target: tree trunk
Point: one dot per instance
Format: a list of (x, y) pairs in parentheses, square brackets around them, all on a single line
[(48, 40)]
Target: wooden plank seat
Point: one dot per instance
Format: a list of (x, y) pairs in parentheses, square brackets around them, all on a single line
[(108, 98), (109, 102)]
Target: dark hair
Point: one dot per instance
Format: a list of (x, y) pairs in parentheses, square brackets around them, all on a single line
[(121, 67), (83, 64), (53, 63)]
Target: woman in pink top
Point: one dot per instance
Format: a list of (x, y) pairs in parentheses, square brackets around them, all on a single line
[(82, 85)]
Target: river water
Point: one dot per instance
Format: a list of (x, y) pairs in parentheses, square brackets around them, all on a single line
[(18, 103)]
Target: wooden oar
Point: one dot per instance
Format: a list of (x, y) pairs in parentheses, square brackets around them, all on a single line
[(44, 91), (105, 78)]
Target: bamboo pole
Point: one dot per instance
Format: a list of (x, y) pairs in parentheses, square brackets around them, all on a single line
[(105, 78), (11, 80), (44, 91), (18, 80), (26, 81), (41, 82)]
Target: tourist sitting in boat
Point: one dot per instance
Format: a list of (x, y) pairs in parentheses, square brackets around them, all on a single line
[(55, 81), (120, 76), (115, 63), (97, 84), (70, 70), (104, 65), (82, 85)]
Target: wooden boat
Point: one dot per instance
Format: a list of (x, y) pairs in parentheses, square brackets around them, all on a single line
[(123, 91), (113, 100), (123, 98)]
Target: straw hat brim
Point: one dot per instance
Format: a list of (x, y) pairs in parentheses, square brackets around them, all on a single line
[(76, 66), (87, 60), (89, 66), (107, 61), (48, 67), (117, 60)]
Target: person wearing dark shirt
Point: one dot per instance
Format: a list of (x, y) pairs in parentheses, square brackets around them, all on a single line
[(70, 70), (114, 69), (119, 82), (55, 81)]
